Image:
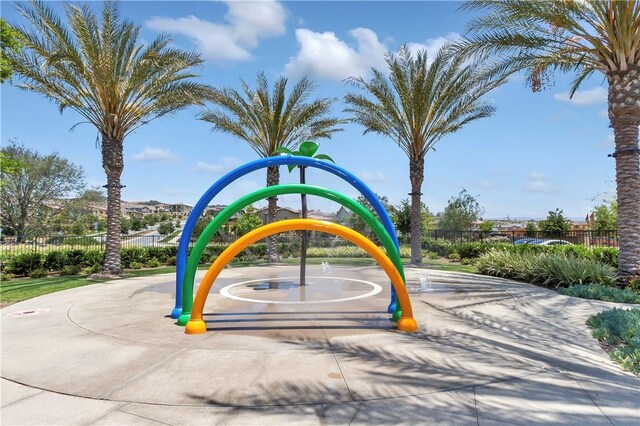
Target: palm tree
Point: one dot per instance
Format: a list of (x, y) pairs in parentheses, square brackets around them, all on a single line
[(102, 71), (267, 120), (582, 37), (417, 105)]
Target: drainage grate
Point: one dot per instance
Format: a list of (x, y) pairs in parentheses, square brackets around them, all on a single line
[(28, 312)]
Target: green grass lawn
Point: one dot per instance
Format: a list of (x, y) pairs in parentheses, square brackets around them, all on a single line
[(20, 289)]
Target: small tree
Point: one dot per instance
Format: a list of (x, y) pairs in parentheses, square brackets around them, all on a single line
[(461, 212), (358, 224), (27, 195), (10, 43), (137, 224), (166, 228), (605, 217), (125, 225), (487, 226), (531, 230), (247, 222), (555, 223), (402, 217)]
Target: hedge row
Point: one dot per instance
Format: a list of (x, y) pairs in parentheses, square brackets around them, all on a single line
[(71, 262), (473, 250)]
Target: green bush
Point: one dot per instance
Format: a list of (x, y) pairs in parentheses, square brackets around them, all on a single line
[(344, 251), (443, 247), (454, 257), (546, 269), (154, 263), (23, 263), (601, 292), (95, 269), (38, 273), (620, 328), (6, 277), (93, 258), (71, 270), (75, 257), (135, 265), (55, 260), (130, 255)]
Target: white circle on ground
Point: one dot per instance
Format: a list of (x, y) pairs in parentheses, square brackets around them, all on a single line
[(225, 291)]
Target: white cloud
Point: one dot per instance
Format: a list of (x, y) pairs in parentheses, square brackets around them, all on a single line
[(593, 96), (324, 55), (154, 154), (228, 163), (372, 177), (247, 22), (538, 183), (432, 45)]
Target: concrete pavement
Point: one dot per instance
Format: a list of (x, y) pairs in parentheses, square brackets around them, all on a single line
[(489, 351)]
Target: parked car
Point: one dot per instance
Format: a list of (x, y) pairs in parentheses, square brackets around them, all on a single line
[(553, 243), (523, 241)]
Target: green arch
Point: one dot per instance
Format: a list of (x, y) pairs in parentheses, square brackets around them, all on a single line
[(272, 191)]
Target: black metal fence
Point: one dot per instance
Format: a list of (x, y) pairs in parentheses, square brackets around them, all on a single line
[(12, 245)]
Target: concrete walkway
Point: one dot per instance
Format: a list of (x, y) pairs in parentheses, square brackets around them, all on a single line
[(489, 351)]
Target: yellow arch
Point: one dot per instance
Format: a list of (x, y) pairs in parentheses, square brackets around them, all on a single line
[(196, 325)]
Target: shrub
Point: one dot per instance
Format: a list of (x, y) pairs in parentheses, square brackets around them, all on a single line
[(344, 251), (154, 263), (75, 257), (55, 260), (6, 277), (136, 265), (546, 269), (71, 270), (454, 257), (620, 328), (634, 285), (442, 247), (601, 292), (95, 269), (23, 263), (93, 258), (130, 255), (38, 273)]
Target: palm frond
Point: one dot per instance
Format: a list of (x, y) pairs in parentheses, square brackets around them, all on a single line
[(99, 68), (270, 119)]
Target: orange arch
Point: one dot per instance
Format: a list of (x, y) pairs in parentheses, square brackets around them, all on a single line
[(196, 325)]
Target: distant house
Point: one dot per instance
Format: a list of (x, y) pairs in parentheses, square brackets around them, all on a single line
[(137, 210), (579, 226), (282, 213), (320, 215), (343, 215)]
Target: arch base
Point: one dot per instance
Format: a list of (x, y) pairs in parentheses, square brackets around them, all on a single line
[(183, 319), (176, 313), (405, 324), (196, 327)]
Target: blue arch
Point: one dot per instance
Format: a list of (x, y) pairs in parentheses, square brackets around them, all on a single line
[(224, 181)]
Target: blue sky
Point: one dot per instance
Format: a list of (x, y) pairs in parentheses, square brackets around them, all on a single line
[(538, 152)]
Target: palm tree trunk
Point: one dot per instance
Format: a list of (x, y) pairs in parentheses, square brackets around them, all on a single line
[(273, 178), (416, 175), (113, 163), (303, 246), (624, 114)]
